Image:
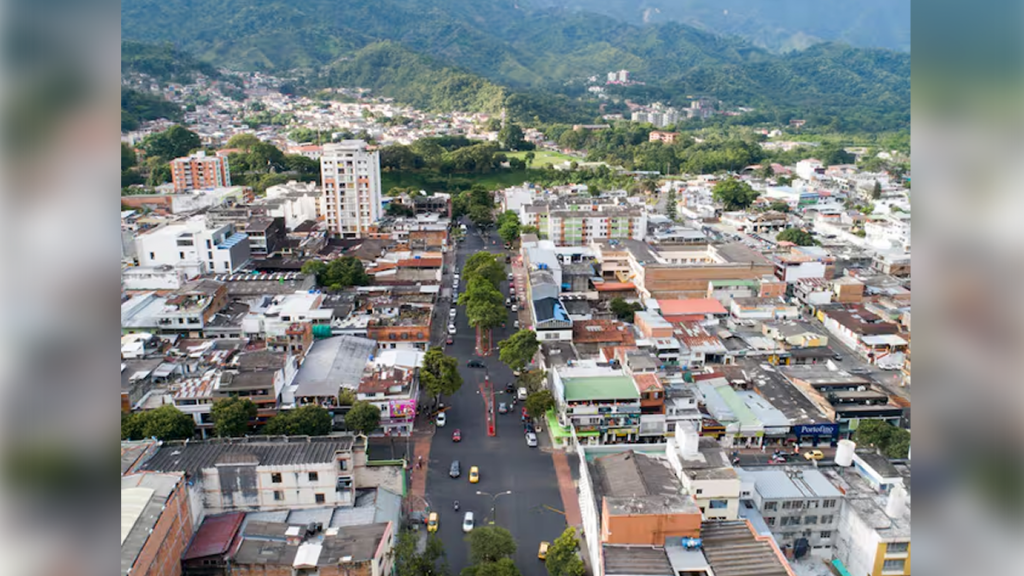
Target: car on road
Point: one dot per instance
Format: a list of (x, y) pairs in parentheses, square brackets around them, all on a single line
[(457, 435), (502, 408), (813, 455), (542, 552), (531, 439), (474, 475), (522, 396), (467, 522), (837, 357), (452, 313), (508, 259), (474, 364), (451, 328), (510, 388), (515, 308), (442, 419), (455, 470), (432, 522), (456, 277), (528, 428), (449, 340), (859, 370), (510, 276), (508, 301), (515, 324)]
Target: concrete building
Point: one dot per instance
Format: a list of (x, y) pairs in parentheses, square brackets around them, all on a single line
[(262, 473), (705, 472), (157, 523), (351, 200), (601, 404), (394, 391), (796, 503), (199, 171), (193, 247), (296, 202)]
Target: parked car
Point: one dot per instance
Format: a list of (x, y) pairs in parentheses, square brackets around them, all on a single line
[(457, 435), (502, 408), (474, 364), (452, 313), (442, 419), (515, 324), (467, 522), (449, 341), (515, 308), (813, 455), (531, 439), (451, 328), (522, 396), (432, 522), (529, 429), (542, 552), (510, 388), (456, 470), (474, 475), (510, 276), (859, 370), (508, 301)]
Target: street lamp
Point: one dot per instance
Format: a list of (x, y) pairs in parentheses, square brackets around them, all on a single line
[(494, 498)]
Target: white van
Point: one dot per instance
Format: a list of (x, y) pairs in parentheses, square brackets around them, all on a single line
[(522, 393)]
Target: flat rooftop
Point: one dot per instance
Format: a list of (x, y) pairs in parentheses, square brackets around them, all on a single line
[(599, 388), (332, 364), (636, 560), (192, 457), (790, 482), (732, 549)]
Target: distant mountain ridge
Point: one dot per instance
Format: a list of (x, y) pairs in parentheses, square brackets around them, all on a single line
[(777, 25), (523, 48)]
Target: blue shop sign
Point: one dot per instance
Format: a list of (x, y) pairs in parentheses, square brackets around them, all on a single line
[(816, 430)]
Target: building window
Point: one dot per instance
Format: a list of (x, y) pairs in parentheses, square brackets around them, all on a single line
[(700, 491), (826, 533), (771, 505), (319, 498), (718, 504), (826, 519), (313, 477), (275, 477), (278, 495), (787, 505), (343, 464), (829, 504), (181, 255), (152, 255), (770, 520), (810, 519), (897, 548)]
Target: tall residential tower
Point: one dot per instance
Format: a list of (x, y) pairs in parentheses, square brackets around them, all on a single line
[(351, 202)]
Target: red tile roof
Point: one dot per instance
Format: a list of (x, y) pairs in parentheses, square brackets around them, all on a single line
[(602, 331), (645, 382), (614, 286), (691, 306), (421, 263), (214, 536)]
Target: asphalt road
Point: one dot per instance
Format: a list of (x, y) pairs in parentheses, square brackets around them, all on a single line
[(505, 461)]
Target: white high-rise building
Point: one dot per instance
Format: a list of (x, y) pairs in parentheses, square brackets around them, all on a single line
[(350, 203)]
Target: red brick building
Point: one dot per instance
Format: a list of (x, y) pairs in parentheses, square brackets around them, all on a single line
[(200, 171)]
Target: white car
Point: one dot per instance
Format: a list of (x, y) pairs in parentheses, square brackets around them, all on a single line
[(531, 439), (442, 419), (467, 522), (451, 328), (510, 276), (451, 313), (515, 308), (456, 276), (515, 324)]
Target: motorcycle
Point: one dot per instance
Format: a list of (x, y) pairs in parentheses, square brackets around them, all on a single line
[(456, 505)]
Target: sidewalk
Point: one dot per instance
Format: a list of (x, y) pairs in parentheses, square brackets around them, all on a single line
[(567, 487), (421, 440)]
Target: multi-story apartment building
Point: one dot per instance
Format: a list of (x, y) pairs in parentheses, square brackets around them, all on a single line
[(351, 201), (261, 473), (796, 503), (200, 171), (578, 221), (394, 391), (602, 404), (194, 247)]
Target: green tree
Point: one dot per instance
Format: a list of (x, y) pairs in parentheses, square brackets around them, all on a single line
[(159, 174), (399, 209), (539, 403), (481, 215), (529, 158), (503, 567), (128, 159), (339, 273), (346, 397), (164, 423), (232, 416), (510, 137), (529, 230), (363, 417), (888, 439), (244, 141), (624, 310), (796, 236), (563, 556), (175, 142), (670, 204), (408, 562), (765, 171), (876, 190), (519, 349), (483, 265), (734, 194), (308, 420), (490, 544), (509, 231), (440, 373), (779, 206)]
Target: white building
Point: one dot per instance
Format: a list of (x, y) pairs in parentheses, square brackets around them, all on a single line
[(351, 200), (163, 277), (809, 169), (263, 474), (193, 247), (296, 202), (796, 503), (701, 465)]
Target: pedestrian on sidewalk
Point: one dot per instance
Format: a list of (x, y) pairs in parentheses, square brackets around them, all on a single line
[(763, 448)]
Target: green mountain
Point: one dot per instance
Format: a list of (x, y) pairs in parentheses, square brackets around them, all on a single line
[(438, 53), (163, 62), (137, 107), (777, 25)]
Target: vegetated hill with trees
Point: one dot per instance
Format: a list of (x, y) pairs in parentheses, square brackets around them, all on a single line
[(534, 53), (163, 62), (137, 107), (779, 25)]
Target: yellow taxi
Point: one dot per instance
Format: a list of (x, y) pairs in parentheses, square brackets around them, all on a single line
[(813, 455), (432, 522), (474, 475), (542, 552)]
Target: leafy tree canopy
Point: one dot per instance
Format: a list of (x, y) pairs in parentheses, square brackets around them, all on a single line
[(539, 403), (339, 273), (232, 416), (624, 310), (309, 420), (440, 373), (408, 562), (796, 236), (563, 556), (892, 441), (779, 206), (519, 349), (510, 137), (734, 194), (483, 265), (163, 423), (363, 417), (346, 397), (490, 544), (175, 142)]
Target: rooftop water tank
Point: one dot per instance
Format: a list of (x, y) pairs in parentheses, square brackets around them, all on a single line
[(844, 452)]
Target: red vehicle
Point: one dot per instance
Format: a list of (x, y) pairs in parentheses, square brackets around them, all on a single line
[(450, 340), (457, 435)]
